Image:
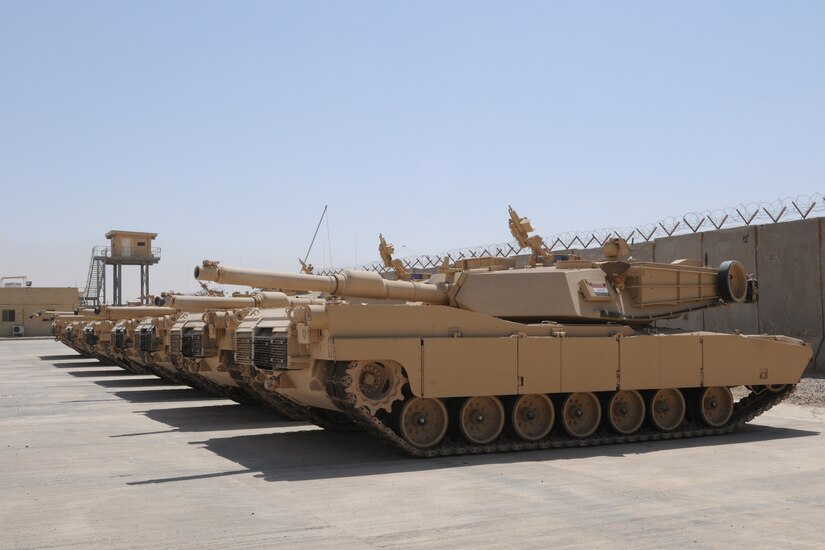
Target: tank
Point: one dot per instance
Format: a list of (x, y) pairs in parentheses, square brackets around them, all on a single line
[(158, 351), (124, 341), (172, 341), (105, 336), (68, 329), (489, 357), (156, 346), (204, 353), (203, 345), (97, 338), (254, 352)]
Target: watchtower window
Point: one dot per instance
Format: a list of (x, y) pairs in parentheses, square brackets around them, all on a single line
[(8, 316), (141, 243)]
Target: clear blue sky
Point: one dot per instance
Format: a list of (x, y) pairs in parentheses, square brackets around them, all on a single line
[(226, 126)]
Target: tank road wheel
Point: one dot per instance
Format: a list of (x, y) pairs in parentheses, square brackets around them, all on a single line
[(423, 422), (481, 419), (376, 385), (626, 411), (533, 416), (667, 409), (581, 414), (716, 406)]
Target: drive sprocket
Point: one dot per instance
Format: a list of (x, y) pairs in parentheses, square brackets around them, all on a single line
[(375, 385)]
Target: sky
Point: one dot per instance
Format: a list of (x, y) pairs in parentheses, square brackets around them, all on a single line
[(226, 127)]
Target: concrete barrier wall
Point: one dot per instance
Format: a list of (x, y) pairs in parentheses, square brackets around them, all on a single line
[(788, 257)]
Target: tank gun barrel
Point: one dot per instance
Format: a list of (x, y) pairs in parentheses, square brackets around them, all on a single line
[(119, 313), (204, 303), (79, 317), (350, 283)]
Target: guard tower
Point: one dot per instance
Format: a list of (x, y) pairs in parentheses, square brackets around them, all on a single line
[(126, 248), (131, 248)]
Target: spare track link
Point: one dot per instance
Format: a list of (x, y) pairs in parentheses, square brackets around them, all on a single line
[(245, 376), (745, 410)]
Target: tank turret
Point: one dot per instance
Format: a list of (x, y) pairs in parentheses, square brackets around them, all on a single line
[(612, 290)]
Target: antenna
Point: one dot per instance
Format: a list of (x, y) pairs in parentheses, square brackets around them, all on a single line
[(307, 268)]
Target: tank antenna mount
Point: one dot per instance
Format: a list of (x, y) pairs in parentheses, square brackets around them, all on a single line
[(387, 250), (520, 228), (305, 267)]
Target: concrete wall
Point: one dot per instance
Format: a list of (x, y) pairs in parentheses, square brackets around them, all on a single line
[(27, 300), (790, 280)]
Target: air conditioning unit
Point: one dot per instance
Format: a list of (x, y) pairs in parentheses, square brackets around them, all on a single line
[(18, 330)]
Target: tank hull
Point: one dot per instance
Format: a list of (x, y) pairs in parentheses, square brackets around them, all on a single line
[(371, 361)]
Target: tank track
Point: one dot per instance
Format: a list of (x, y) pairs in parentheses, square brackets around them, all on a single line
[(129, 366), (245, 376), (184, 378), (745, 410), (208, 386)]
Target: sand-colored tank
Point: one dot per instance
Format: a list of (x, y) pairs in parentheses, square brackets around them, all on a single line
[(487, 357), (169, 340), (68, 329), (102, 337), (205, 352), (252, 365), (204, 345), (159, 352), (202, 353)]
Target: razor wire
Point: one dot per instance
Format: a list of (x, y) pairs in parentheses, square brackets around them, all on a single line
[(800, 207)]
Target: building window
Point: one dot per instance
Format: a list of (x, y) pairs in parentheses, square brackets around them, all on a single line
[(141, 243), (8, 316)]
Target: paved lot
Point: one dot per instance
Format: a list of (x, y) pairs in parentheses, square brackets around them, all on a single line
[(93, 457)]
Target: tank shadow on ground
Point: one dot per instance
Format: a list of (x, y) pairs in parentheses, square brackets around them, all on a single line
[(77, 364), (61, 357), (231, 416), (158, 396), (134, 381), (110, 371), (318, 454)]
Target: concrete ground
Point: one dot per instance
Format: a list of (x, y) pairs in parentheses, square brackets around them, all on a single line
[(92, 457)]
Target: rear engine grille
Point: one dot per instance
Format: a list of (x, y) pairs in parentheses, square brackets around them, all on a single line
[(278, 352), (261, 352), (120, 338), (243, 348), (270, 351), (147, 340), (174, 343), (192, 344), (91, 337)]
